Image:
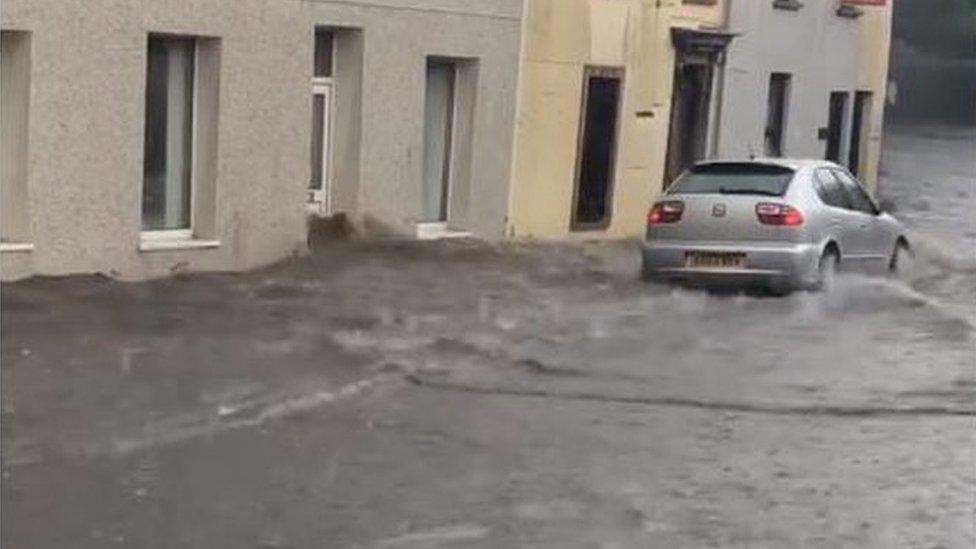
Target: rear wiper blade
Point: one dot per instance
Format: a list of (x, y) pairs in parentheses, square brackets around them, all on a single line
[(763, 192)]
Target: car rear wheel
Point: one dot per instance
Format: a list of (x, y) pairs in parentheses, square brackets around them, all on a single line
[(827, 271)]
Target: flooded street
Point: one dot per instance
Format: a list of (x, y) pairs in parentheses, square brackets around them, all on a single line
[(930, 176), (463, 395), (397, 274)]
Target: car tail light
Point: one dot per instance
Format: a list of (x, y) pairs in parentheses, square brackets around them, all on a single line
[(779, 214), (666, 212)]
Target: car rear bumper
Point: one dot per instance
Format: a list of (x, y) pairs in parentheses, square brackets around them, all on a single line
[(783, 265)]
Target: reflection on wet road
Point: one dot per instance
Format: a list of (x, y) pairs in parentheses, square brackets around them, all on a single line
[(465, 395)]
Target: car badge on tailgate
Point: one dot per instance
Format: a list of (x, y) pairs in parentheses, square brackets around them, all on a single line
[(718, 210)]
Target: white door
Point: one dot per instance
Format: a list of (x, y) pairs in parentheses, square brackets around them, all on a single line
[(320, 187)]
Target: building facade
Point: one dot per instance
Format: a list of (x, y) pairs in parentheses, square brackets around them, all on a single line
[(806, 79), (875, 50), (594, 113), (146, 137)]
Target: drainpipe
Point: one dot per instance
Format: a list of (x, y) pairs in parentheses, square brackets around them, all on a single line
[(718, 95), (508, 228), (718, 87)]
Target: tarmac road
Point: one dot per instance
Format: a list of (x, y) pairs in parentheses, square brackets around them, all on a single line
[(459, 395)]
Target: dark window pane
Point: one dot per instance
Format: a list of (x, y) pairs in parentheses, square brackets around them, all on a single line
[(779, 85), (598, 150), (734, 178), (862, 105), (830, 190), (323, 53), (168, 134), (318, 141), (835, 124), (859, 199)]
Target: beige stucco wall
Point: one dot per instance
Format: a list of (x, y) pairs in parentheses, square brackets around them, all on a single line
[(875, 49), (562, 37), (87, 101), (86, 133), (698, 14)]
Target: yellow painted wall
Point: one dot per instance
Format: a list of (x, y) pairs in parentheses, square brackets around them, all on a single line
[(699, 14), (562, 38), (875, 47)]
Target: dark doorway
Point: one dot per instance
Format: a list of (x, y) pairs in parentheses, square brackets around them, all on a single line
[(597, 148), (690, 107), (835, 125), (776, 105), (859, 119)]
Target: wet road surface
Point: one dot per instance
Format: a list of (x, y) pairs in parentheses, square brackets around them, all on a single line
[(463, 395)]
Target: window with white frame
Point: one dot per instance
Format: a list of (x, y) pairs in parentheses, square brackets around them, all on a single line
[(169, 128), (323, 86)]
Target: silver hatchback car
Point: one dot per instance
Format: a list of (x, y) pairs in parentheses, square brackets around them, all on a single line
[(780, 224)]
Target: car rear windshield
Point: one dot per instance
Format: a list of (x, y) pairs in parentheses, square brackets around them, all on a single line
[(734, 178)]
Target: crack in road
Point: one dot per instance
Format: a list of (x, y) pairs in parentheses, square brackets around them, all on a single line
[(684, 402)]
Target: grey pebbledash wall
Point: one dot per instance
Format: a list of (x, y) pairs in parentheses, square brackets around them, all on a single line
[(814, 45), (86, 123)]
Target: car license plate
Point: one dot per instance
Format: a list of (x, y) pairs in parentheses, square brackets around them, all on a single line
[(715, 260)]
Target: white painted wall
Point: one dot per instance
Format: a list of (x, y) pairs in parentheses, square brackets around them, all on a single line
[(821, 51)]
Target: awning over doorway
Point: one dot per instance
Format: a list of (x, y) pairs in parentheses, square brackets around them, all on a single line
[(700, 45)]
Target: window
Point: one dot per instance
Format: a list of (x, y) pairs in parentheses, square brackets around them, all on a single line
[(450, 95), (597, 148), (168, 161), (860, 123), (776, 105), (14, 107), (860, 201), (324, 58), (179, 193), (734, 178), (830, 190), (835, 125), (439, 114)]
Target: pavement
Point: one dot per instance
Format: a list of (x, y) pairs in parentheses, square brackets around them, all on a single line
[(463, 394)]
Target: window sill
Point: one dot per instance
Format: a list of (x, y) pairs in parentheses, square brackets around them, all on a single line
[(437, 231), (16, 247), (175, 244)]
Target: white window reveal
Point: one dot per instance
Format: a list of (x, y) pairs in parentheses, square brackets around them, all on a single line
[(323, 102)]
